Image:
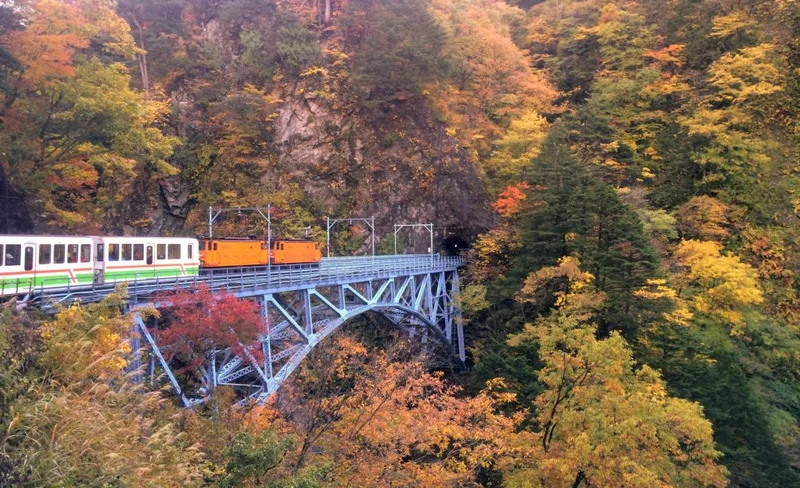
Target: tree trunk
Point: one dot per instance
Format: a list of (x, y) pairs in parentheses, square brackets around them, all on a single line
[(142, 57), (327, 19)]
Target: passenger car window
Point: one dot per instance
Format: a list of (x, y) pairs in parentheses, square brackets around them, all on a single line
[(86, 253), (13, 254), (2, 255), (138, 252), (59, 253), (99, 252), (174, 251), (45, 250), (127, 252), (189, 250), (72, 253), (161, 251), (113, 252)]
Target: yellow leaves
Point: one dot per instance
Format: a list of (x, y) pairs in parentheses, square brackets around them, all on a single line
[(473, 299), (492, 251), (567, 283), (611, 147), (667, 85), (603, 419), (746, 74), (314, 71), (731, 24), (656, 289), (652, 153), (515, 151), (724, 285), (86, 342)]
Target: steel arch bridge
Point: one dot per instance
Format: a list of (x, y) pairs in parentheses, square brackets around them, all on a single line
[(301, 306)]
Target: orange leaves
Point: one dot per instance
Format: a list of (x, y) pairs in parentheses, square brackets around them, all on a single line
[(45, 48), (492, 81), (509, 203), (74, 175), (391, 422), (667, 55), (703, 217)]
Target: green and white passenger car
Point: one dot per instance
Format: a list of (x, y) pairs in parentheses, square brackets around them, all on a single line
[(33, 263)]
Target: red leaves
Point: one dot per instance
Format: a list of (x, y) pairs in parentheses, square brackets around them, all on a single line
[(200, 321), (509, 203)]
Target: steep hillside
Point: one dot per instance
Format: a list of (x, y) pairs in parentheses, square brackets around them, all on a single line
[(374, 108)]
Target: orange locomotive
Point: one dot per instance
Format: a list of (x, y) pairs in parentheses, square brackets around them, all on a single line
[(232, 252)]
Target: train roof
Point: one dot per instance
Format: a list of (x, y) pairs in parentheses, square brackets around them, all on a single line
[(252, 239)]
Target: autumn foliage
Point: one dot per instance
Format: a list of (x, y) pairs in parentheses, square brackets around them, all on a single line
[(200, 321), (509, 202)]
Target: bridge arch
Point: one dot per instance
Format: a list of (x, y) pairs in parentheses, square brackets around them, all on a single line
[(299, 318)]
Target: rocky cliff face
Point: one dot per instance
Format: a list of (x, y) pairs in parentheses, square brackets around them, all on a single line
[(395, 162)]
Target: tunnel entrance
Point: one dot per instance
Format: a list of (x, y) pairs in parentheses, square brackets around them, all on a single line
[(453, 245)]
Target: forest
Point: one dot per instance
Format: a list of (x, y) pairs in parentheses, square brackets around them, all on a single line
[(627, 173)]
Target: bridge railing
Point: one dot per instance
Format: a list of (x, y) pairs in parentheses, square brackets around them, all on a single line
[(251, 280)]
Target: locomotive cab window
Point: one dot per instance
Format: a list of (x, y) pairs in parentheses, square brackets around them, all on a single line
[(13, 254), (202, 245), (161, 252), (72, 253), (215, 246), (44, 253), (174, 251), (59, 254)]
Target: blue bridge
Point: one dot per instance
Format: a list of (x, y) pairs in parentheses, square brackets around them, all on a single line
[(301, 306)]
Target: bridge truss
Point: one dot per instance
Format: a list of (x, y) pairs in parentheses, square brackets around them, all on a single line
[(301, 306)]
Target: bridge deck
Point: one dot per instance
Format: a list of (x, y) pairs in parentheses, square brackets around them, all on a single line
[(250, 281)]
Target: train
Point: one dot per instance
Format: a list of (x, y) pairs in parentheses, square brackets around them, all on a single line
[(34, 263)]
